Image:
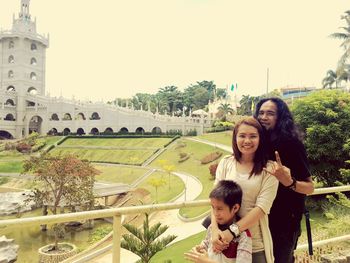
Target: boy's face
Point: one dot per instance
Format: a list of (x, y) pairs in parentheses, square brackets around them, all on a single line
[(222, 212)]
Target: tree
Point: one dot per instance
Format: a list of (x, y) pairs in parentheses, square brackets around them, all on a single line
[(172, 97), (156, 183), (169, 168), (324, 117), (345, 37), (145, 242), (209, 86), (225, 109), (330, 79), (221, 93), (63, 181)]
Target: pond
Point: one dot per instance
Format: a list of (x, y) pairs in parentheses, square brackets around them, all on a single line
[(30, 239)]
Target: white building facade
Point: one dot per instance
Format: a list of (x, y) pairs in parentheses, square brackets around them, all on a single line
[(24, 107)]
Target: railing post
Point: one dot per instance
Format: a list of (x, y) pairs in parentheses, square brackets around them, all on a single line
[(117, 227)]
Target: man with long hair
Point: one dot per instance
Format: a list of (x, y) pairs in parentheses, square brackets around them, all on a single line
[(292, 171)]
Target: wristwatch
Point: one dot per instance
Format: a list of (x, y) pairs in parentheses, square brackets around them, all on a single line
[(234, 229), (293, 185)]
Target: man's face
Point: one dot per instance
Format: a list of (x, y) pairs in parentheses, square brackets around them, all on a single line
[(268, 115)]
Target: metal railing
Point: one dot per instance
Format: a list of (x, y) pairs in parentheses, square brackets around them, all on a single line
[(117, 214)]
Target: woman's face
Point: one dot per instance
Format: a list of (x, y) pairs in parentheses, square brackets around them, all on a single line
[(247, 139)]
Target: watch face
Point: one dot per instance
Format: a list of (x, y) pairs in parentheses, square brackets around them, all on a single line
[(234, 228)]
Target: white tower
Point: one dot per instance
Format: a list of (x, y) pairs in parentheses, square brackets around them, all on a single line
[(22, 65)]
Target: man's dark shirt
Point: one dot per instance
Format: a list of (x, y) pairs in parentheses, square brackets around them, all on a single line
[(288, 207)]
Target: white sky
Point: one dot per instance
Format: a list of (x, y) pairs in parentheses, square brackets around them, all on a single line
[(102, 49)]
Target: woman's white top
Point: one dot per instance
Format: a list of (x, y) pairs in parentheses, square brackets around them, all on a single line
[(258, 191)]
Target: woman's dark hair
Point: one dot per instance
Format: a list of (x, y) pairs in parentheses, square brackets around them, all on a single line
[(285, 126), (228, 191), (260, 157)]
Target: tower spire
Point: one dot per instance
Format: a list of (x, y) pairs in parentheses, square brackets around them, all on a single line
[(24, 14)]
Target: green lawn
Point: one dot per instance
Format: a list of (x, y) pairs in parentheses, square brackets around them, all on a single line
[(119, 174), (165, 193), (176, 251), (193, 167), (105, 155), (11, 167), (118, 142), (218, 137)]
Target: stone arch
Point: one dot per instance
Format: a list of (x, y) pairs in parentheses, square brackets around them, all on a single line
[(5, 135), (67, 117), (94, 131), (11, 44), (33, 76), (54, 117), (11, 88), (9, 117), (10, 102), (80, 131), (95, 116), (108, 130), (123, 130), (33, 47), (33, 61), (32, 91), (10, 74), (66, 131), (140, 130), (30, 103), (35, 124), (53, 131), (157, 130), (80, 116), (11, 59)]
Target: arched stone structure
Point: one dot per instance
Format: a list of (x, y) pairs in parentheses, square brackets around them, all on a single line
[(35, 124), (66, 131), (5, 135), (80, 131), (140, 130), (157, 130), (94, 131)]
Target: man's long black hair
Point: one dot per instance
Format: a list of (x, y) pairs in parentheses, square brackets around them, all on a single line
[(285, 127)]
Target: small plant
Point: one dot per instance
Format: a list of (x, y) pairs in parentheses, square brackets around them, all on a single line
[(145, 242), (212, 170), (183, 157), (211, 157), (23, 147)]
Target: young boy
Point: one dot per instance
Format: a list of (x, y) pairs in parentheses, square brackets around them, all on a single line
[(225, 200)]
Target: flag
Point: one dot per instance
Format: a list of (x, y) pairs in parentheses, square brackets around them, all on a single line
[(232, 87), (253, 105)]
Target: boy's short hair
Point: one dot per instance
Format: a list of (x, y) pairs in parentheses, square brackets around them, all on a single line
[(228, 191)]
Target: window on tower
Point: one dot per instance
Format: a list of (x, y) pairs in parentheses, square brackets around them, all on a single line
[(33, 61), (10, 74), (11, 59), (32, 76), (33, 47), (11, 44)]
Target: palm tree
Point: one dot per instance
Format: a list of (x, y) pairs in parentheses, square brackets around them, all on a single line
[(225, 109), (145, 242), (345, 36), (330, 79)]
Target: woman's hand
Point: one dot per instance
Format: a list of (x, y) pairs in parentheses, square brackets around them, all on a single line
[(220, 239), (281, 172)]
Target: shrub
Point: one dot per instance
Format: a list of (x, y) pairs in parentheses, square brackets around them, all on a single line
[(10, 146), (183, 157), (211, 157), (180, 144), (39, 144), (23, 147), (212, 170)]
